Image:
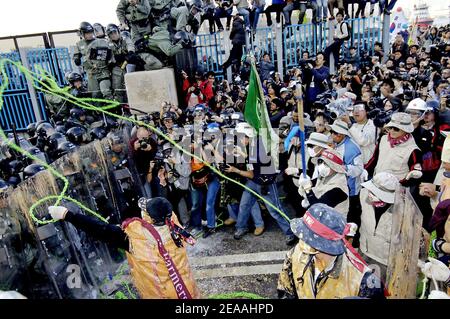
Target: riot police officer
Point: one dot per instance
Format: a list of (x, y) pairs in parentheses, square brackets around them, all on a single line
[(124, 52), (134, 14), (95, 56)]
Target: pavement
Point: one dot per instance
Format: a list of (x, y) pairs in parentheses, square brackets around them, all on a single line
[(223, 265)]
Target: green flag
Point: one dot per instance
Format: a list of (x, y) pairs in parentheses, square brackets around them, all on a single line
[(256, 114)]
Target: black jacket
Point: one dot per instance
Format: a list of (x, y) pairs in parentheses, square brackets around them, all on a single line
[(237, 34)]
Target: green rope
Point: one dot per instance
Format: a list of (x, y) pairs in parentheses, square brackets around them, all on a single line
[(48, 85)]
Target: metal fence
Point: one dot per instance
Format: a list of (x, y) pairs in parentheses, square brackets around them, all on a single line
[(211, 49)]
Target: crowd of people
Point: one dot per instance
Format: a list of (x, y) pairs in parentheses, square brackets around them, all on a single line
[(379, 123)]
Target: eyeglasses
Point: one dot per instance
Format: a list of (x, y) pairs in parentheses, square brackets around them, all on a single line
[(395, 129), (414, 113), (211, 77)]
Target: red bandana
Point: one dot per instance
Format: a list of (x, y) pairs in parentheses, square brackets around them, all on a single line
[(397, 141), (323, 231)]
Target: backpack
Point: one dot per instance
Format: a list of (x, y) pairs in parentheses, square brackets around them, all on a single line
[(349, 29)]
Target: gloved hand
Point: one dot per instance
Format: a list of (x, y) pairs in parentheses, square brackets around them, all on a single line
[(305, 183), (415, 174), (57, 212), (435, 269), (364, 176), (77, 61), (305, 203), (292, 171), (437, 294)]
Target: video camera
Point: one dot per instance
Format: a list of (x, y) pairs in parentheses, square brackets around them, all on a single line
[(380, 117)]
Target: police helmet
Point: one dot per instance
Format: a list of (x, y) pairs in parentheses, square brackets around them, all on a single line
[(54, 140), (168, 115), (60, 129), (36, 152), (99, 30), (3, 185), (31, 129), (64, 148), (76, 135), (44, 130), (184, 37), (76, 113), (125, 34), (32, 170), (74, 77), (86, 27), (14, 180), (98, 133), (15, 167), (112, 28)]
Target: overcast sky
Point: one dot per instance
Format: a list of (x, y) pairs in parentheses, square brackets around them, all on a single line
[(35, 16)]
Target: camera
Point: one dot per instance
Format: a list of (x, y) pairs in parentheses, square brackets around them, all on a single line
[(303, 63), (402, 76), (144, 143), (380, 117), (435, 66)]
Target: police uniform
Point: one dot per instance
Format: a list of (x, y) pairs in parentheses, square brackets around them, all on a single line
[(160, 42), (120, 49), (95, 57), (136, 16)]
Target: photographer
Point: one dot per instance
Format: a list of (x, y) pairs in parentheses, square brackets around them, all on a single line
[(260, 181), (175, 177), (144, 151), (204, 183), (316, 77), (230, 194)]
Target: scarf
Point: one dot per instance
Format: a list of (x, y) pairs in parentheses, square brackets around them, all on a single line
[(397, 141)]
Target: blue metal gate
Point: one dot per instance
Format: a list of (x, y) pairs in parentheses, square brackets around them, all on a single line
[(17, 105)]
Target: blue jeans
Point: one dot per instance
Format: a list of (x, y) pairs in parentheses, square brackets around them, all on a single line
[(198, 195), (233, 210), (246, 15), (257, 12), (248, 200), (322, 7)]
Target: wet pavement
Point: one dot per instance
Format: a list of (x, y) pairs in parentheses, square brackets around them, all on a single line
[(223, 265)]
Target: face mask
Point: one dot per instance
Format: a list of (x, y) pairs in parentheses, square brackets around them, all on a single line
[(323, 170), (375, 201), (311, 152)]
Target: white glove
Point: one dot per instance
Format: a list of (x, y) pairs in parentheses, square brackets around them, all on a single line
[(414, 174), (364, 176), (305, 203), (435, 269), (57, 212), (292, 171), (305, 183), (437, 294)]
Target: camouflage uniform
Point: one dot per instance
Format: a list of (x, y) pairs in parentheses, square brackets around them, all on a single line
[(136, 16), (120, 49), (160, 42), (96, 56)]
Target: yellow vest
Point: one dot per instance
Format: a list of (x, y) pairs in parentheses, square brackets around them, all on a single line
[(148, 268), (344, 280)]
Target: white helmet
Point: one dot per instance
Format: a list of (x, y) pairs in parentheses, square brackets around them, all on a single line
[(418, 105)]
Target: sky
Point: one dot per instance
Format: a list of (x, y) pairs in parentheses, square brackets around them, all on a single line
[(34, 16)]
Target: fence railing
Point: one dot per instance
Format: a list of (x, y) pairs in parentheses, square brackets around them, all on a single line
[(211, 49)]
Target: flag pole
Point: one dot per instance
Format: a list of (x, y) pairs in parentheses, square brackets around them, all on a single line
[(301, 126)]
